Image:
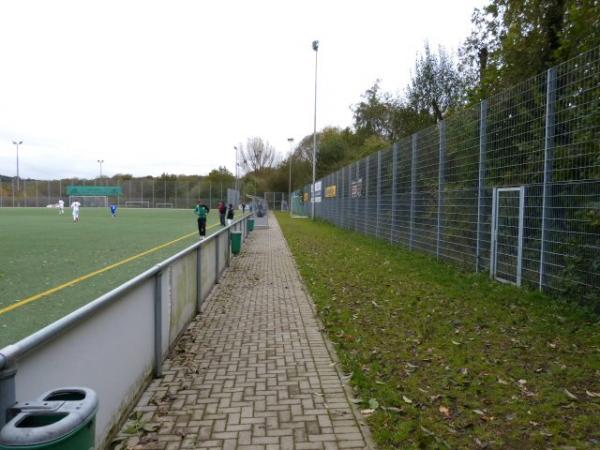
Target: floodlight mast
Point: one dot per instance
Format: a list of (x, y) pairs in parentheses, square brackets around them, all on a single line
[(315, 47), (100, 161), (291, 141), (236, 167), (17, 143)]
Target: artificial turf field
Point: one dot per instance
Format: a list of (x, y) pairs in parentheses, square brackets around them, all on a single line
[(40, 249)]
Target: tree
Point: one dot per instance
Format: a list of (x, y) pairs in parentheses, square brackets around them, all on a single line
[(372, 115), (514, 40), (257, 155), (436, 86), (221, 175)]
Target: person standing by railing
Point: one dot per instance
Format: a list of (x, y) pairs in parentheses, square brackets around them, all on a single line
[(230, 214), (222, 211), (201, 211)]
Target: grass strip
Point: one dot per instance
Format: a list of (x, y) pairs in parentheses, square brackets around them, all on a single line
[(440, 358)]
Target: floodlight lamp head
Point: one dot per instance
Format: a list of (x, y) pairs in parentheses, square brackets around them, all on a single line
[(315, 45), (290, 139)]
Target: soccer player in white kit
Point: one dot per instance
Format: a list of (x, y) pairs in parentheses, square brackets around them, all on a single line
[(75, 209), (61, 206)]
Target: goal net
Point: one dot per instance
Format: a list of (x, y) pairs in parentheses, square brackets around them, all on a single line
[(164, 205), (137, 204), (89, 200)]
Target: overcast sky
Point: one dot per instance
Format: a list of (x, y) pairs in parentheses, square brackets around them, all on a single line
[(172, 86)]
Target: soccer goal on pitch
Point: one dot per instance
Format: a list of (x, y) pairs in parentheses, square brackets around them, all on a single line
[(164, 205), (137, 204), (93, 196), (90, 201)]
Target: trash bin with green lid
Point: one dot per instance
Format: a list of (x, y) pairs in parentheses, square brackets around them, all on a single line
[(236, 242), (250, 225), (63, 419)]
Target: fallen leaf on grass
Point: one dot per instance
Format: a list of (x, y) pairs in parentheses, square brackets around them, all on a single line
[(592, 394), (406, 399), (483, 416), (367, 412), (346, 378), (444, 410), (392, 408), (426, 431), (480, 444), (373, 404), (571, 396), (456, 342), (151, 427)]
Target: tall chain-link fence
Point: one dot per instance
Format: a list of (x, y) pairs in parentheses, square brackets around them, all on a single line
[(149, 193), (510, 187), (277, 200)]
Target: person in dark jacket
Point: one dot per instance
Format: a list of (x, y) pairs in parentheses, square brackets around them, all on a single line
[(230, 214), (222, 211), (201, 211)]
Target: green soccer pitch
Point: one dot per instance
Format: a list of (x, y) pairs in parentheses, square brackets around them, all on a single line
[(40, 250)]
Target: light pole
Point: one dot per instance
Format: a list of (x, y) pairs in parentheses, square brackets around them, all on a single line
[(236, 167), (315, 46), (17, 143), (291, 141), (100, 161)]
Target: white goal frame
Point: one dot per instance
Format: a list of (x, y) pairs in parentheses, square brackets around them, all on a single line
[(164, 205), (137, 204), (81, 199)]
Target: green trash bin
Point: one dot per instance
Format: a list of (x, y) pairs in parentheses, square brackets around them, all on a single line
[(61, 419), (236, 242), (250, 225)]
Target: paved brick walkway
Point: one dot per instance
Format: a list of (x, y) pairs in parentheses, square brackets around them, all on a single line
[(253, 371)]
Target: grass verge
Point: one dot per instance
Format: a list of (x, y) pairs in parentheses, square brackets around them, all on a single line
[(441, 358)]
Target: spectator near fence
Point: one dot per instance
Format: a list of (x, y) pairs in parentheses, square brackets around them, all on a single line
[(201, 211), (222, 211), (230, 214)]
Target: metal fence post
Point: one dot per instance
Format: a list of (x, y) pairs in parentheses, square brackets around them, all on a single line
[(357, 197), (198, 279), (378, 193), (481, 179), (395, 150), (441, 184), (217, 259), (158, 324), (8, 396), (339, 195), (549, 145), (366, 214), (228, 259), (413, 191)]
